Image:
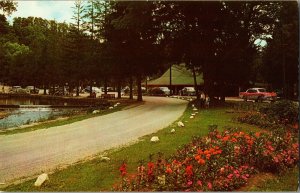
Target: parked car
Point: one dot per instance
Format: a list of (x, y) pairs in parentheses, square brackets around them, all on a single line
[(94, 89), (19, 89), (159, 91), (188, 91), (109, 89), (258, 94), (32, 90)]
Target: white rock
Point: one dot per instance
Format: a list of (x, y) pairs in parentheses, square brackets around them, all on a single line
[(193, 105), (104, 159), (96, 111), (111, 107), (195, 109), (173, 131), (190, 99), (196, 112), (180, 124), (154, 139), (193, 114), (41, 179), (191, 117), (118, 103), (115, 105)]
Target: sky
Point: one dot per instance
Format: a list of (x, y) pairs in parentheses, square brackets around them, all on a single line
[(48, 9)]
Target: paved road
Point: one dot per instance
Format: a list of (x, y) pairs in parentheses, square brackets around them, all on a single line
[(27, 154)]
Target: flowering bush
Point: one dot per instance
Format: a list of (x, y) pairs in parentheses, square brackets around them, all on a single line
[(257, 118), (282, 114), (219, 162)]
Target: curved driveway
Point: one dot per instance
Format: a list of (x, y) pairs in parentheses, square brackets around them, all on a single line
[(30, 153)]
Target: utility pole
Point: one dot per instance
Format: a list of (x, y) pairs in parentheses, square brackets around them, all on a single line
[(171, 92)]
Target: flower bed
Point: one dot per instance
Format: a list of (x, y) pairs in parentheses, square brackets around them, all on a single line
[(220, 162), (283, 114)]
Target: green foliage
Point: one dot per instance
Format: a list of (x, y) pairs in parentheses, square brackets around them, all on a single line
[(283, 111), (8, 6)]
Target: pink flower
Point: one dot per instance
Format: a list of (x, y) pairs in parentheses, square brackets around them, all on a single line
[(199, 183), (209, 185), (230, 176), (190, 183)]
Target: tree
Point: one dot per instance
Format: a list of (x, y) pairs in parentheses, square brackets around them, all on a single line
[(136, 29), (216, 38), (8, 6), (75, 46), (280, 58)]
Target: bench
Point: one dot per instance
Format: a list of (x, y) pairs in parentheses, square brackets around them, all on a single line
[(107, 96)]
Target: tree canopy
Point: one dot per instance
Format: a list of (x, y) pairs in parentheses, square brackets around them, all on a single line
[(115, 42)]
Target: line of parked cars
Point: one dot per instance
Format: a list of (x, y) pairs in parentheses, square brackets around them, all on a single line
[(165, 91), (26, 90)]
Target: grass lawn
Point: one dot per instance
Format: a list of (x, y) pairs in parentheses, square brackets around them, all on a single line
[(95, 175)]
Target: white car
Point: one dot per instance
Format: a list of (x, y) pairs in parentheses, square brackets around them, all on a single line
[(189, 91), (166, 90)]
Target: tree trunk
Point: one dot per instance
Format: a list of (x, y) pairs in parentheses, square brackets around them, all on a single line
[(139, 88), (91, 88), (105, 86), (63, 91), (53, 89), (77, 90), (119, 88), (171, 92), (45, 91), (195, 83), (130, 88)]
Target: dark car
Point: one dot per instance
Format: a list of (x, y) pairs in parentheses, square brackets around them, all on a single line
[(159, 91)]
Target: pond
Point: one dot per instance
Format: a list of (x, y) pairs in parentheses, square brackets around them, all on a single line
[(23, 116), (32, 110), (30, 101)]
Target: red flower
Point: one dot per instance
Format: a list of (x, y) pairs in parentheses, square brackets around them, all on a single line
[(201, 161), (150, 168), (225, 138), (207, 156), (257, 134), (189, 170), (197, 157), (169, 170), (123, 170), (200, 151)]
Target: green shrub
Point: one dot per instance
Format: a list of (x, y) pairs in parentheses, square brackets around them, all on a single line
[(282, 112)]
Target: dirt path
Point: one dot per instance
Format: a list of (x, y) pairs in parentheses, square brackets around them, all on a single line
[(27, 154)]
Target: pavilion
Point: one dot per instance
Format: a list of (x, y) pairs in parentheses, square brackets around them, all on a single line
[(180, 77)]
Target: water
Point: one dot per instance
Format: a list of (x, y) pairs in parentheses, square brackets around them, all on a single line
[(23, 116), (29, 101)]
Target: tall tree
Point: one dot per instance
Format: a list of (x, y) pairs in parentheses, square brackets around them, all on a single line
[(75, 46), (280, 58)]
